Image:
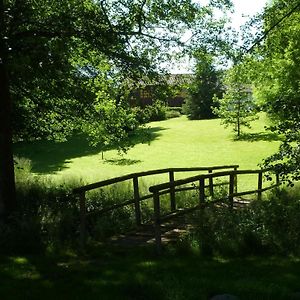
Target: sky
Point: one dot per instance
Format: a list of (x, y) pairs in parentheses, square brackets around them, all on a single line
[(243, 11), (246, 8)]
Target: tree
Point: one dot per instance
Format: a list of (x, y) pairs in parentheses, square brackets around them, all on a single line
[(276, 79), (7, 181), (236, 107), (52, 51), (199, 104)]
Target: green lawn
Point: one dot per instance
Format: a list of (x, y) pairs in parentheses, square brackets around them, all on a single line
[(109, 273), (126, 274), (176, 142)]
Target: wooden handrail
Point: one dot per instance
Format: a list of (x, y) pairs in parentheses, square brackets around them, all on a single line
[(156, 190), (163, 186), (106, 182), (170, 188), (80, 191)]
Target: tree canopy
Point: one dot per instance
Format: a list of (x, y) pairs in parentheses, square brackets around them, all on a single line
[(64, 59), (206, 84), (277, 81), (236, 107)]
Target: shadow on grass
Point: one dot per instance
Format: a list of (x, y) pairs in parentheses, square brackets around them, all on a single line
[(143, 276), (122, 161), (259, 136), (49, 157)]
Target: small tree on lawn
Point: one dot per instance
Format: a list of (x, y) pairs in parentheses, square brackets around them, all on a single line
[(236, 107), (199, 103)]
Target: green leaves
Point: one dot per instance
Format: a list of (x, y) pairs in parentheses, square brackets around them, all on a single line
[(201, 92), (236, 107), (277, 84)]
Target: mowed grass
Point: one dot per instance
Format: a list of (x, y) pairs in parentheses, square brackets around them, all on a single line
[(177, 142)]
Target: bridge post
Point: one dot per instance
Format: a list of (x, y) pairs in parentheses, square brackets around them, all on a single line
[(172, 191), (259, 186), (82, 229), (277, 179), (201, 191), (231, 189), (157, 229), (211, 184), (137, 206), (235, 180)]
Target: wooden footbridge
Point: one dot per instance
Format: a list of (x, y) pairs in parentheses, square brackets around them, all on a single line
[(204, 183)]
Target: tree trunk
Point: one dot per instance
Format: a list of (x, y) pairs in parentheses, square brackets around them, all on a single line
[(238, 119), (7, 178)]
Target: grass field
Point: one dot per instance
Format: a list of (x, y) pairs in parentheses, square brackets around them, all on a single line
[(176, 142), (105, 272)]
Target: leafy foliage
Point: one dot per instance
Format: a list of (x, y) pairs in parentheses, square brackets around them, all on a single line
[(199, 104), (62, 53), (236, 107), (59, 49), (277, 79), (264, 227)]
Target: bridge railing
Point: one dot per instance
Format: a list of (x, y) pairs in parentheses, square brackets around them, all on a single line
[(137, 198), (170, 187)]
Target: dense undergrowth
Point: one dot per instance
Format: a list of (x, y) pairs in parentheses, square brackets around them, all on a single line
[(48, 220), (269, 227)]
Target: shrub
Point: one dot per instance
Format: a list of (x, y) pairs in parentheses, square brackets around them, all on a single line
[(264, 227), (172, 114), (156, 111)]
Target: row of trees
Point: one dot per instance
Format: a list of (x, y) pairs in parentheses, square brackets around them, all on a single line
[(265, 77), (67, 66)]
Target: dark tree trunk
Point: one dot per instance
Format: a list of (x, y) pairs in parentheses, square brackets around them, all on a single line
[(239, 119), (7, 178)]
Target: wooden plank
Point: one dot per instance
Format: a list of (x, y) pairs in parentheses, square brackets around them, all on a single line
[(172, 191), (146, 173), (211, 184), (201, 191), (254, 191), (204, 168), (178, 212), (166, 185), (259, 185), (137, 207), (231, 189), (235, 181)]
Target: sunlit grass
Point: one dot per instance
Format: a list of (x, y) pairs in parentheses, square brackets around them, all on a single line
[(176, 142)]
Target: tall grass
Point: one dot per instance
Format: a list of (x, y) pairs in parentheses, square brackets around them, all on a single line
[(271, 226)]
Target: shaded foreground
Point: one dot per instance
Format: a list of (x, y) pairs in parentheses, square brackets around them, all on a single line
[(119, 274)]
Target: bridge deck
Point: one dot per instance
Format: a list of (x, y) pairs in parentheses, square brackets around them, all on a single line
[(170, 230)]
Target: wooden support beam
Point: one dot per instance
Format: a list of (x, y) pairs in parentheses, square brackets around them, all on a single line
[(211, 184), (259, 186), (172, 191), (202, 191), (231, 189), (235, 181)]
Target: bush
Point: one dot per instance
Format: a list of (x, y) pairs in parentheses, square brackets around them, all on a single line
[(173, 112), (156, 111), (263, 227)]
